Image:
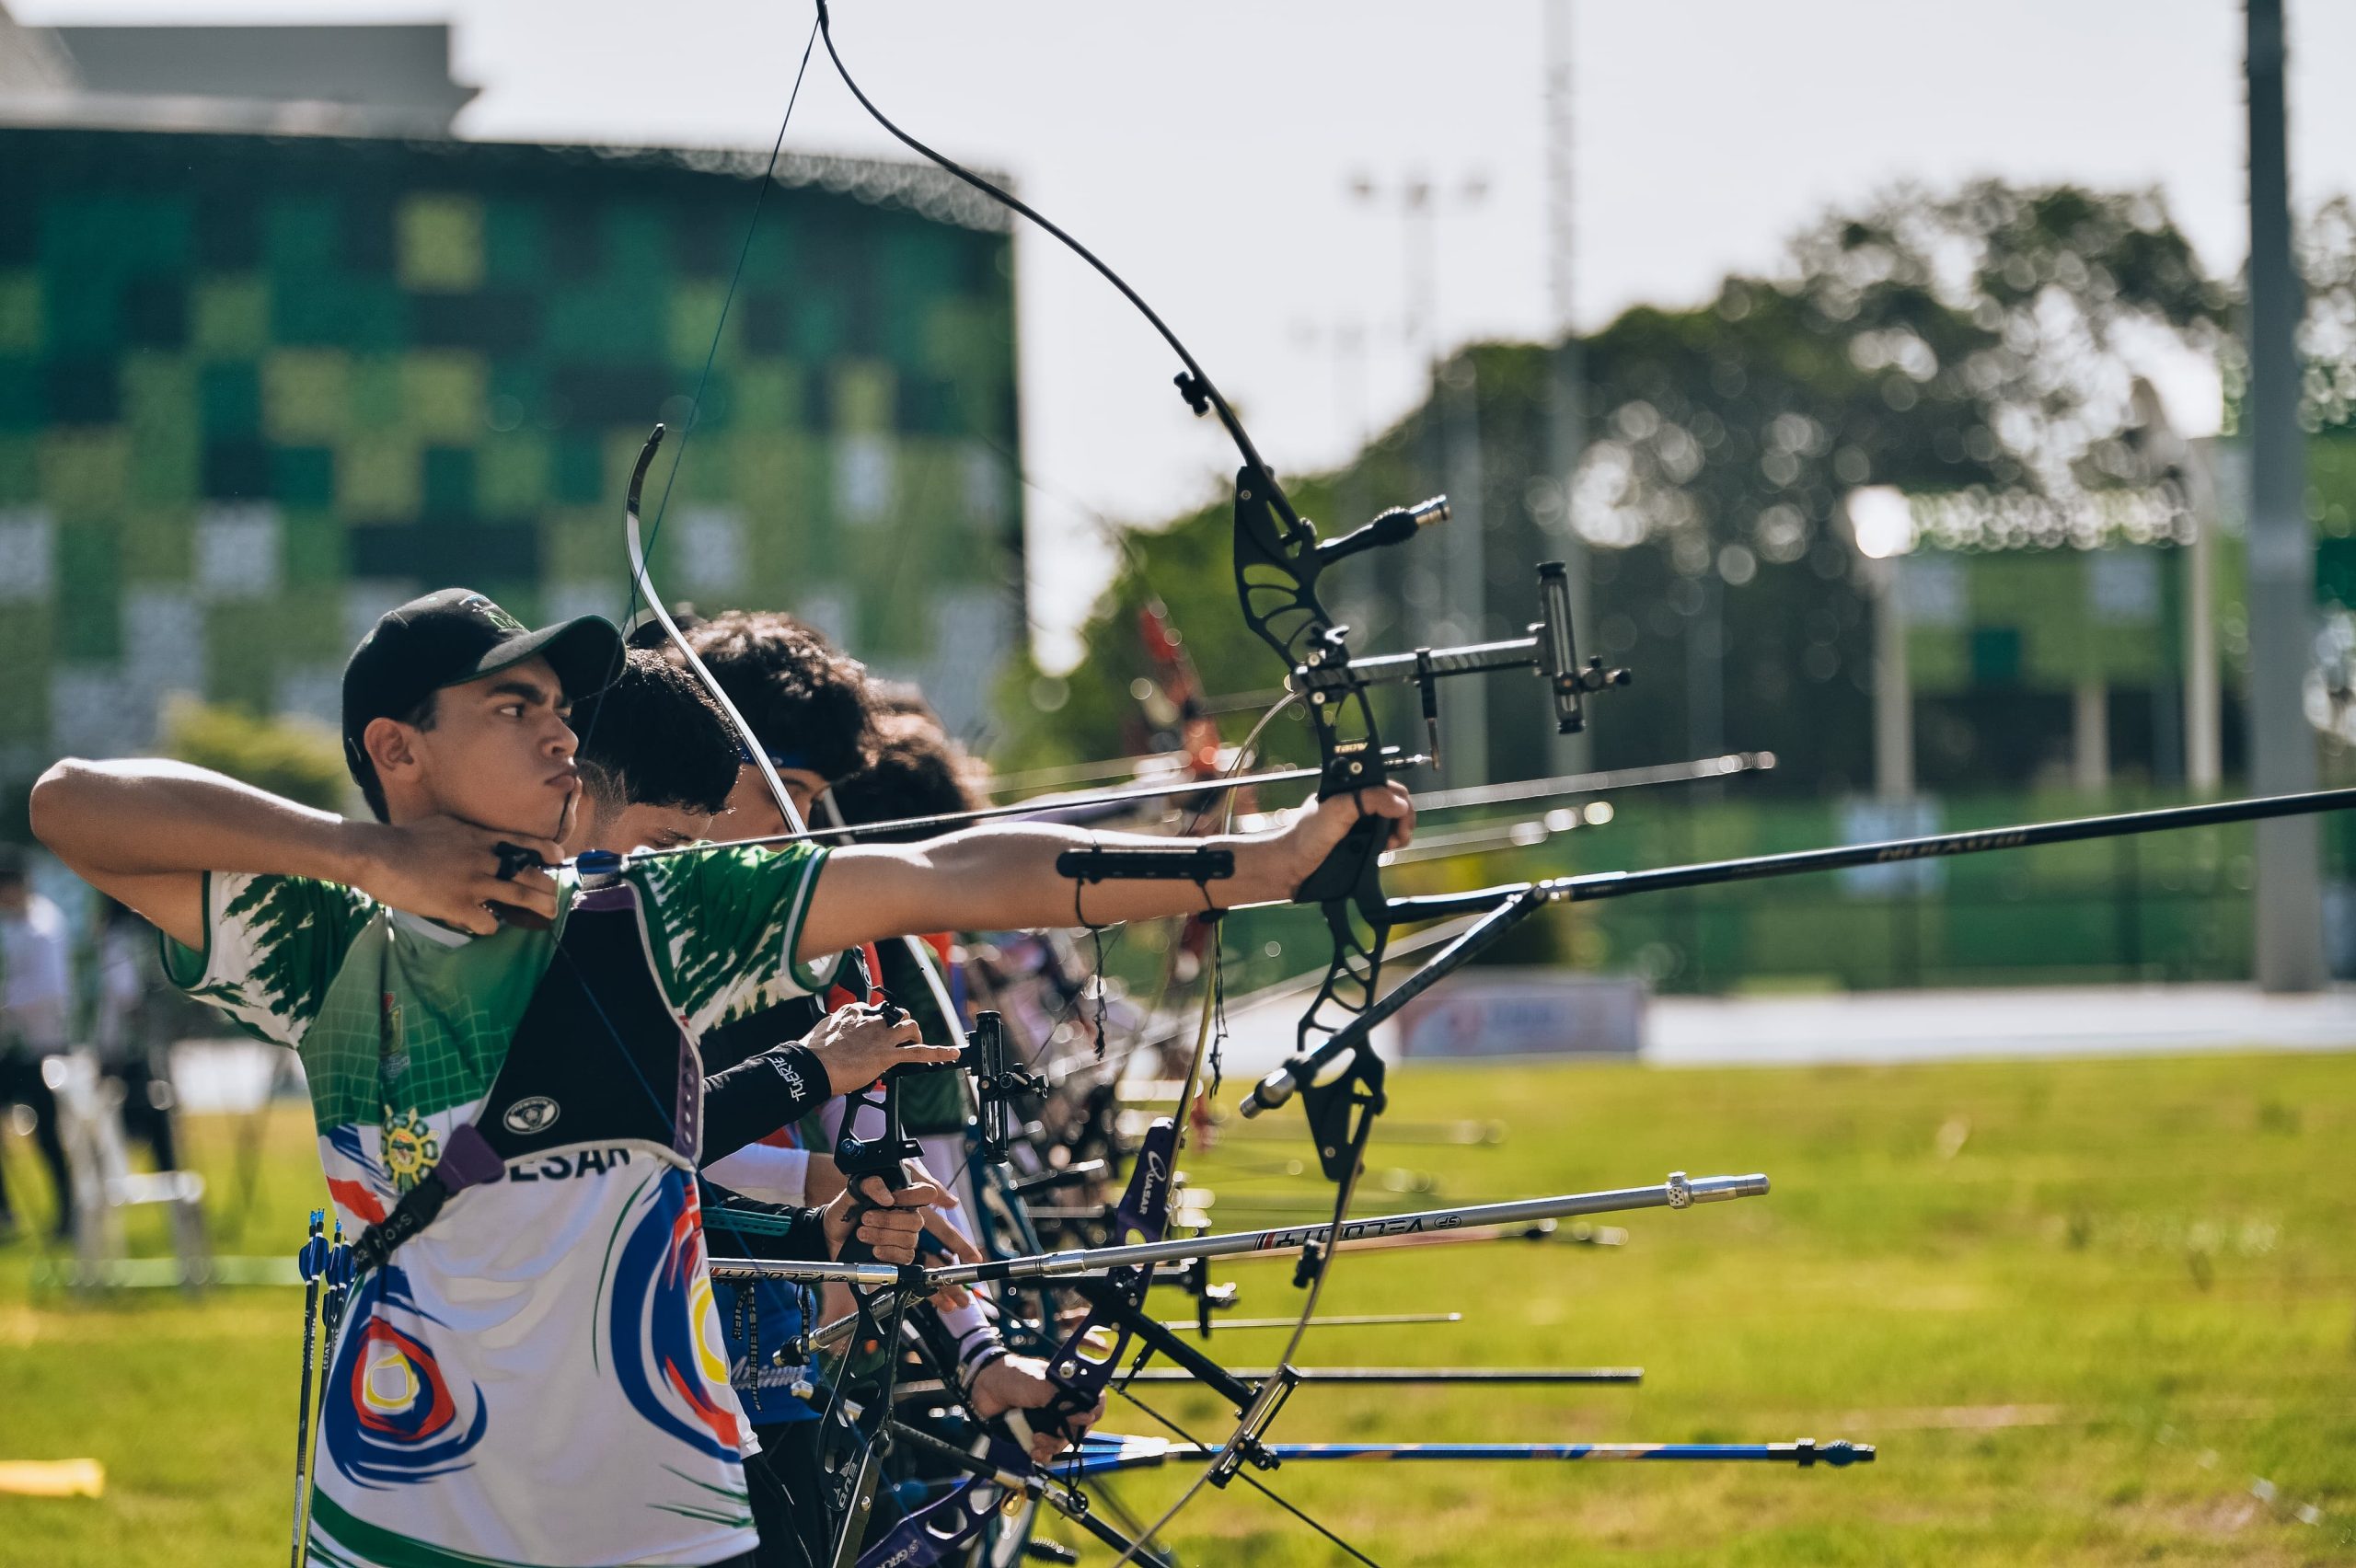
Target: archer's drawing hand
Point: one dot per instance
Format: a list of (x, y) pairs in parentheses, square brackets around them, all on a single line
[(888, 1219), (857, 1044), (448, 870), (1020, 1382), (1302, 846)]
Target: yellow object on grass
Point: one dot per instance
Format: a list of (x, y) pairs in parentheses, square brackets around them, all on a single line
[(52, 1478)]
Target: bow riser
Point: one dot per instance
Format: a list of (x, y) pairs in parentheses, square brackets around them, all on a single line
[(1083, 1364)]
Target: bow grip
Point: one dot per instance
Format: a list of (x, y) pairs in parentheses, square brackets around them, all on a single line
[(883, 1156), (1347, 870)]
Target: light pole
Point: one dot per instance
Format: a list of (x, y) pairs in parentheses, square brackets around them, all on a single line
[(1883, 526), (1566, 410), (2288, 938), (1452, 416)]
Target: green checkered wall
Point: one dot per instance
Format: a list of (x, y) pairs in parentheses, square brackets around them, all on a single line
[(253, 389)]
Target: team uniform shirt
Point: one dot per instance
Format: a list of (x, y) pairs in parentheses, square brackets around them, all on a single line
[(763, 1321), (538, 1379)]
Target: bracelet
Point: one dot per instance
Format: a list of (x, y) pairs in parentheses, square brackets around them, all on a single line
[(970, 1365)]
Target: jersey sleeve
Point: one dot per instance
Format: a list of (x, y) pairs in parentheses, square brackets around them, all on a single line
[(728, 920), (762, 1170), (271, 946)]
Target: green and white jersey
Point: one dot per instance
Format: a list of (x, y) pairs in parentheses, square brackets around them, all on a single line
[(537, 1379)]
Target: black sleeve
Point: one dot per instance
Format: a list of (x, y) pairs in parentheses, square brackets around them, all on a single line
[(756, 1097), (741, 1039)]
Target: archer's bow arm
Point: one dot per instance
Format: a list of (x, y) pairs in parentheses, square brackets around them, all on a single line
[(1005, 877)]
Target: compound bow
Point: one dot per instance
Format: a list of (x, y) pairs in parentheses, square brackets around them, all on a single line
[(1278, 560)]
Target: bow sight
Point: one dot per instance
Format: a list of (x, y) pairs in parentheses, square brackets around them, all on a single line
[(1278, 559), (1550, 648), (998, 1083)]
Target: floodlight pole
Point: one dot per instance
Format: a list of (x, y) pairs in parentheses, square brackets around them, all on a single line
[(1566, 386), (2288, 911)]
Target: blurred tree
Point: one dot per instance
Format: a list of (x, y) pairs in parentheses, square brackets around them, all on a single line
[(2327, 255), (1984, 342), (298, 758)]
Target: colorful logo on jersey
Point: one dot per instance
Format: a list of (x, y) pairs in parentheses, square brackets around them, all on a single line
[(363, 1199), (411, 1149), (711, 1342), (663, 1329), (391, 1417), (535, 1113)]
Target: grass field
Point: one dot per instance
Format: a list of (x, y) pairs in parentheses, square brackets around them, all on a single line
[(2091, 1312)]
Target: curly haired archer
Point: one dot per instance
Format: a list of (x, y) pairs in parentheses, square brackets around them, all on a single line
[(654, 737), (917, 771), (805, 699)]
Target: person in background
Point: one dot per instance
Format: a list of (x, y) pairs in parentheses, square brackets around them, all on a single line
[(36, 995), (806, 699), (131, 1049), (657, 761), (657, 764)]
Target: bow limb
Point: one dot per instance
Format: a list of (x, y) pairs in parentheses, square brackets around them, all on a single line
[(1278, 560), (862, 1466), (644, 582)]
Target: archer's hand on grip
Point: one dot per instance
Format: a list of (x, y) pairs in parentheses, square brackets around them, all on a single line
[(875, 1221)]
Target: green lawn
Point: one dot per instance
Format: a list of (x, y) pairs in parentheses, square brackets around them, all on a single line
[(2091, 1312)]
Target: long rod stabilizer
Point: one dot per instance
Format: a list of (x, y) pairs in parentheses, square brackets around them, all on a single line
[(1112, 1454), (1678, 1192)]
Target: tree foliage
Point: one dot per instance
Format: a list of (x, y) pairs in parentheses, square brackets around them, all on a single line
[(2327, 338), (1984, 343), (298, 758)]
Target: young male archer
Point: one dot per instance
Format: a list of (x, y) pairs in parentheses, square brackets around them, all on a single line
[(535, 1376)]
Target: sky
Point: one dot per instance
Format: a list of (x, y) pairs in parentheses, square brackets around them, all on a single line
[(1210, 151)]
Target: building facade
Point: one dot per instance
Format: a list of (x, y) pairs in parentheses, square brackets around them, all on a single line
[(255, 389)]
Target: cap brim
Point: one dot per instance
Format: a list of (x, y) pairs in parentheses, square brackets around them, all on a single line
[(586, 653)]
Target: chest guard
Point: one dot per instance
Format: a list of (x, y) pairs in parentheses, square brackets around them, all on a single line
[(557, 1087)]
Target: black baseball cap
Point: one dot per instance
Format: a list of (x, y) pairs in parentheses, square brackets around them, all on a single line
[(453, 637)]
